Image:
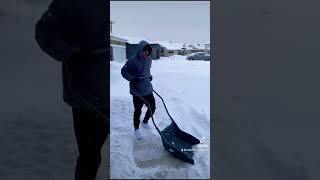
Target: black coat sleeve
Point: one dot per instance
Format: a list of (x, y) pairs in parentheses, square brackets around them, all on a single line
[(49, 36)]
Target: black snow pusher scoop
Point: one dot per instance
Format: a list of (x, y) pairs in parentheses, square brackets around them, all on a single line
[(174, 140)]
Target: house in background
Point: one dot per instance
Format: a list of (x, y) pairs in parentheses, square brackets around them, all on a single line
[(117, 47), (169, 48), (192, 48), (156, 50), (123, 47), (200, 47)]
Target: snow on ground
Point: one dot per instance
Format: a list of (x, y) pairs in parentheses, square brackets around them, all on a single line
[(185, 87)]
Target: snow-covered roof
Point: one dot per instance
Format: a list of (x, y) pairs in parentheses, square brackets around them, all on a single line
[(200, 47), (196, 46), (190, 47), (171, 45), (136, 39), (117, 38), (119, 46)]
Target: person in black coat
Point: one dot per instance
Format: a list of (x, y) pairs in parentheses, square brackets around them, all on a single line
[(74, 32)]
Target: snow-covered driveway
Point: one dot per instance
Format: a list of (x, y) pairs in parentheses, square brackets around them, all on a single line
[(185, 88)]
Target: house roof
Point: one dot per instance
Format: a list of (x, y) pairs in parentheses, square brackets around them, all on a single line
[(190, 47), (196, 46), (117, 38), (171, 45), (136, 39), (200, 47)]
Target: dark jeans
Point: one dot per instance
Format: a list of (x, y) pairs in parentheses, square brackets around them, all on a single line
[(138, 103), (91, 132)]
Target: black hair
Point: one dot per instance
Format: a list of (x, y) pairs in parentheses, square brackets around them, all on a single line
[(148, 48)]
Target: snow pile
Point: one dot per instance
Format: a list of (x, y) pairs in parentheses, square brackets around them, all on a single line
[(185, 87)]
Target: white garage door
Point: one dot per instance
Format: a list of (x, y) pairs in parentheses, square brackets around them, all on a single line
[(119, 53)]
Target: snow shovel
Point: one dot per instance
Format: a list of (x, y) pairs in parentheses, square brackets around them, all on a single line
[(174, 140)]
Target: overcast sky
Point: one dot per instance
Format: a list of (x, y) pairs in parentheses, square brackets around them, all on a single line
[(187, 22)]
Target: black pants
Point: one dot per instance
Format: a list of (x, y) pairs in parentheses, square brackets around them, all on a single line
[(138, 103), (91, 132)]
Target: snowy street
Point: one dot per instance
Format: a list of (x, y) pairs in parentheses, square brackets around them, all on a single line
[(185, 88)]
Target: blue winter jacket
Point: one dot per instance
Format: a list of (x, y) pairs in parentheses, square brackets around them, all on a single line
[(136, 67)]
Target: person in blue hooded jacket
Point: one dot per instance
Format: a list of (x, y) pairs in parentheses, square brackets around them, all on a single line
[(137, 71)]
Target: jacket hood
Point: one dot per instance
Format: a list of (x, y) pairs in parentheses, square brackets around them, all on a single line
[(141, 46)]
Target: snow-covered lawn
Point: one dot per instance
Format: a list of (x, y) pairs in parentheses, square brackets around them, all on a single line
[(185, 88)]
